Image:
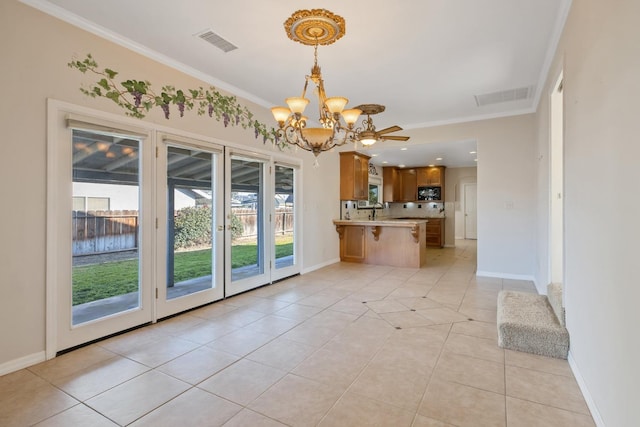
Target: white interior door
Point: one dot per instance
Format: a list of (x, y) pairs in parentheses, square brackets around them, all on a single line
[(470, 211), (190, 231), (248, 237)]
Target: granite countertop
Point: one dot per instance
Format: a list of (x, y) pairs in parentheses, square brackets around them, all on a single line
[(385, 222)]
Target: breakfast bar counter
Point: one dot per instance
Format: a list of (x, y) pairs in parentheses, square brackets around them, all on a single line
[(393, 242)]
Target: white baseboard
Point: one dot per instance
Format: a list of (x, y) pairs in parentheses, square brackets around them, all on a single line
[(505, 275), (585, 392), (319, 266), (22, 362)]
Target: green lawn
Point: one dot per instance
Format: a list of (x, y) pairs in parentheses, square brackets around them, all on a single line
[(98, 281)]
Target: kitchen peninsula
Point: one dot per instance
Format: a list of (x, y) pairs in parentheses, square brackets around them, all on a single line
[(393, 242)]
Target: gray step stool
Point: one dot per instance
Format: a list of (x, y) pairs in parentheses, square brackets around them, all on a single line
[(533, 323)]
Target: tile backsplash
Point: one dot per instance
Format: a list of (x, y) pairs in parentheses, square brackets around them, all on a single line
[(349, 210)]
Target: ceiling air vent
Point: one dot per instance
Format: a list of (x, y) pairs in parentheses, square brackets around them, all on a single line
[(217, 41), (505, 96)]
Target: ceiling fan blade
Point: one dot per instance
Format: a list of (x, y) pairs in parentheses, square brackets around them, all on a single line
[(389, 130), (395, 138)]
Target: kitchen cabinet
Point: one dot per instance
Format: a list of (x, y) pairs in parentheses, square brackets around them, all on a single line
[(390, 185), (354, 176), (399, 185), (398, 243), (352, 244), (432, 176), (435, 232), (409, 185)]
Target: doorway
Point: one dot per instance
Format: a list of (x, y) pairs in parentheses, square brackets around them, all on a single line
[(191, 197), (470, 200), (556, 202), (248, 248), (99, 225)]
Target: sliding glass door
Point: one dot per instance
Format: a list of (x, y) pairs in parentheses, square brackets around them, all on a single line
[(191, 265), (142, 225), (247, 212), (285, 223), (102, 229)]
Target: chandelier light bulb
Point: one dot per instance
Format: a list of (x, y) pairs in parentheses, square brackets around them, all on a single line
[(351, 115), (280, 114), (297, 104), (335, 104)]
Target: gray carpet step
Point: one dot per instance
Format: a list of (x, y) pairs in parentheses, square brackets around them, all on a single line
[(528, 323)]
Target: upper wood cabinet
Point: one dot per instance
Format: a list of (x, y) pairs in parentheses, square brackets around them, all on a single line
[(401, 185), (431, 176), (408, 179), (390, 185), (354, 176)]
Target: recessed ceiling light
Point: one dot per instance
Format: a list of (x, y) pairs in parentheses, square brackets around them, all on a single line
[(439, 158), (431, 166), (475, 160), (403, 149), (374, 155), (385, 162), (400, 166), (472, 152)]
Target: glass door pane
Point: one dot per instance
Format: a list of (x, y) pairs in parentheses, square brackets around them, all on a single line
[(246, 225), (284, 221), (190, 267), (190, 221), (105, 225)]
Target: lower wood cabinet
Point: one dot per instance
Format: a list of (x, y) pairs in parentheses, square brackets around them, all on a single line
[(352, 244), (435, 232), (387, 242)]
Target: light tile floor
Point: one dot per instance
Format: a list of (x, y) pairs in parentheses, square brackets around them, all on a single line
[(347, 345)]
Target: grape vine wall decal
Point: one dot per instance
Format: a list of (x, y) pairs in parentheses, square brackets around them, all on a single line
[(137, 98)]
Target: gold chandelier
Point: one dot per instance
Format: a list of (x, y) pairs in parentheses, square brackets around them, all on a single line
[(312, 28)]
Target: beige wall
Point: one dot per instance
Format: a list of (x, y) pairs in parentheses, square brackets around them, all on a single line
[(35, 49), (453, 197), (506, 191), (600, 56)]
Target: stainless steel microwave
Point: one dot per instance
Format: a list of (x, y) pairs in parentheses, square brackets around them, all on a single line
[(429, 193)]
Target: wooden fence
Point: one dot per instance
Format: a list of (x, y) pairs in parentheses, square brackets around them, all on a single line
[(283, 221), (104, 231), (110, 231)]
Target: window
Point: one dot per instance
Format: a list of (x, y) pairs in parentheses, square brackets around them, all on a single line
[(82, 203)]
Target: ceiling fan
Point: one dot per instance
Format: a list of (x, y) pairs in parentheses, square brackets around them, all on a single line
[(369, 135)]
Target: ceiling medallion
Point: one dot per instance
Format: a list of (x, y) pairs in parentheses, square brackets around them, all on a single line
[(315, 27)]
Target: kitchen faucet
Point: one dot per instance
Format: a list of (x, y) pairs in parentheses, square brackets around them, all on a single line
[(373, 210)]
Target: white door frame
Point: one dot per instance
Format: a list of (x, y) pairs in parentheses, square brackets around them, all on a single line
[(266, 239), (281, 273), (165, 307), (465, 186), (60, 331), (58, 267), (556, 182)]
